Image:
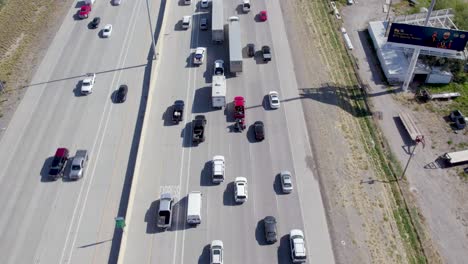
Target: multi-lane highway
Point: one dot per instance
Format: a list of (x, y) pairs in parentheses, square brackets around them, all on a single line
[(64, 221), (170, 163)]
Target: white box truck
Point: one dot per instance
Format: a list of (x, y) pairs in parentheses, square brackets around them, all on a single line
[(235, 49), (218, 91), (194, 208), (217, 22)]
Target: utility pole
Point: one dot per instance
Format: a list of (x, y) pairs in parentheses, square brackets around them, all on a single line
[(419, 139), (151, 30)]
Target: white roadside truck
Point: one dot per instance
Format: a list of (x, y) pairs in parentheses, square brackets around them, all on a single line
[(235, 49), (194, 208), (217, 22), (218, 91)]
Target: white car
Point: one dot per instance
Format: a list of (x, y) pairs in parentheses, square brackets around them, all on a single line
[(274, 99), (204, 3), (286, 182), (218, 67), (217, 169), (216, 254), (107, 31), (240, 190), (117, 2), (199, 56), (297, 244), (246, 6), (88, 83)]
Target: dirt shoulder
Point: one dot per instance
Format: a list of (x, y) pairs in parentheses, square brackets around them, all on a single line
[(369, 219), (26, 30)]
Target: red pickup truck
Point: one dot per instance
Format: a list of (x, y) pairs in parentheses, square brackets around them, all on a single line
[(84, 11)]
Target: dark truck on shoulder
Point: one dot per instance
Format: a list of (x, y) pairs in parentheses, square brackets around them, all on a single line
[(164, 217), (178, 111), (198, 128)]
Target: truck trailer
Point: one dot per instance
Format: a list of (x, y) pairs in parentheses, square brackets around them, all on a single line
[(458, 157), (217, 22), (218, 91), (235, 49)]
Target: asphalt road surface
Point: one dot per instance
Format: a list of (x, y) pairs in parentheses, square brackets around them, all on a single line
[(67, 221), (170, 163)]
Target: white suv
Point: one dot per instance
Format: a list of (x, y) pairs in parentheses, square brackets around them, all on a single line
[(216, 254), (298, 249), (240, 190)]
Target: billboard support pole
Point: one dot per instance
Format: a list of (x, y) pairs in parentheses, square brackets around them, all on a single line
[(414, 58)]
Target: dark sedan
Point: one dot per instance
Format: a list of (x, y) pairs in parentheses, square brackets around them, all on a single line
[(259, 131), (95, 22), (121, 94), (270, 229)]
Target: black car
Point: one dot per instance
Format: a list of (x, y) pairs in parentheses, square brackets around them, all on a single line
[(58, 163), (121, 94), (95, 22), (259, 130), (270, 229), (251, 50), (204, 23)]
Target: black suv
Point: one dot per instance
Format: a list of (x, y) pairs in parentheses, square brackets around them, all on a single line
[(259, 130), (58, 163), (251, 49), (95, 22)]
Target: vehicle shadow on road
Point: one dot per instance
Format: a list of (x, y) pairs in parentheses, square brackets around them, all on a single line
[(239, 9), (228, 195), (260, 233), (179, 210), (167, 116), (201, 101), (150, 218), (205, 175), (283, 250), (250, 134), (77, 89), (186, 136), (277, 184), (45, 170), (205, 255)]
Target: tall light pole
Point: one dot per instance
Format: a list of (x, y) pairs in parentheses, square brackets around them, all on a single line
[(151, 30), (414, 59)]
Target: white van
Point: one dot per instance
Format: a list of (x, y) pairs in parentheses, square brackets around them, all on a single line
[(194, 208), (186, 22)]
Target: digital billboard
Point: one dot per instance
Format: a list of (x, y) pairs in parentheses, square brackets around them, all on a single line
[(448, 39)]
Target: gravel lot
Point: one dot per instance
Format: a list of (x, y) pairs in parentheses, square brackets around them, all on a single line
[(439, 193)]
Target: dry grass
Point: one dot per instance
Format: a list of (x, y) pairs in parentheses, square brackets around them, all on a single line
[(23, 27)]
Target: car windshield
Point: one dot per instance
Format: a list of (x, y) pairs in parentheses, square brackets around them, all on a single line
[(275, 100), (198, 56), (287, 184), (76, 167)]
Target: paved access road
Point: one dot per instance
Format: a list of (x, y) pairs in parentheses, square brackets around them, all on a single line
[(171, 164), (63, 221)]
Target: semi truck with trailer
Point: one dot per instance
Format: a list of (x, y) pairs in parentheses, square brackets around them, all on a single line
[(235, 49), (217, 22)]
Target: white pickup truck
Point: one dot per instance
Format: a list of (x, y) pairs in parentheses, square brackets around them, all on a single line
[(88, 83)]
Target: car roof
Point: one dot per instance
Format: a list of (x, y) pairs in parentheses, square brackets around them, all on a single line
[(61, 152), (217, 243)]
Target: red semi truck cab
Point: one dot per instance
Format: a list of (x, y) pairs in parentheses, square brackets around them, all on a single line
[(239, 107)]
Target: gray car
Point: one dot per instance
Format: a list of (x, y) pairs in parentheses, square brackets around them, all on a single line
[(270, 229), (286, 182)]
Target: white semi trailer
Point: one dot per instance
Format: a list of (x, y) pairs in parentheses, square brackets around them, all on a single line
[(235, 49), (217, 22)]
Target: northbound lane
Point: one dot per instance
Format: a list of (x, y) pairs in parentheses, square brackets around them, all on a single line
[(170, 162)]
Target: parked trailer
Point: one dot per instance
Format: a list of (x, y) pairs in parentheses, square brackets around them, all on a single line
[(218, 91), (453, 158), (217, 22), (235, 49)]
